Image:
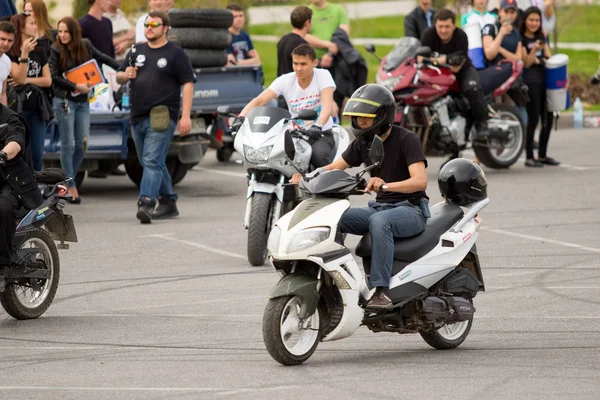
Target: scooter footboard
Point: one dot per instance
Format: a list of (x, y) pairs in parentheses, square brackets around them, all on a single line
[(302, 286)]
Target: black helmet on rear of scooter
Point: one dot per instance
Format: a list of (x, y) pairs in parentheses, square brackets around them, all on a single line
[(462, 182), (374, 101)]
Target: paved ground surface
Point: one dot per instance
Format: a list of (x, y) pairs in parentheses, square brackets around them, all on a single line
[(173, 310)]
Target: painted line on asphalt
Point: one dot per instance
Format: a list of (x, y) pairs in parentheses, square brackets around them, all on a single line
[(539, 317), (169, 236), (221, 172), (149, 389), (542, 239)]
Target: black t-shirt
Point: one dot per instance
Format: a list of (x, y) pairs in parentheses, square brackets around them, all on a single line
[(284, 52), (535, 73), (401, 149), (37, 60), (160, 74), (100, 33), (509, 43), (458, 44)]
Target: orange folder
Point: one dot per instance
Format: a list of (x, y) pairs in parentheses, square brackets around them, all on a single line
[(88, 72)]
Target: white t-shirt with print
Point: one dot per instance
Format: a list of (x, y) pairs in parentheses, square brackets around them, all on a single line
[(5, 65), (304, 99)]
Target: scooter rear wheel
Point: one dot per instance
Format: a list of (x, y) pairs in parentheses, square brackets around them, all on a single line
[(448, 336), (289, 340), (20, 299)]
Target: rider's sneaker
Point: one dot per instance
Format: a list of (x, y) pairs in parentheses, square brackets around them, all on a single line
[(145, 210), (482, 131), (380, 300), (166, 208)]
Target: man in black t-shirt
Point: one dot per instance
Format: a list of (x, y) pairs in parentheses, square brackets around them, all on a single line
[(453, 46), (98, 29), (301, 18), (162, 79), (400, 209)]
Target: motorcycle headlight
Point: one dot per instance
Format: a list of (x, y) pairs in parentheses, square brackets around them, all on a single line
[(308, 238), (391, 83), (257, 156), (274, 239)]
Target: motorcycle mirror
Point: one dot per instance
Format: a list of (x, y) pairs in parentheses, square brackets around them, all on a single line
[(308, 115), (376, 151), (223, 110), (424, 51), (370, 47), (288, 145)]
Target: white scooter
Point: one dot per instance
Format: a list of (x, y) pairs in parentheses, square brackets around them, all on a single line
[(322, 293), (261, 142)]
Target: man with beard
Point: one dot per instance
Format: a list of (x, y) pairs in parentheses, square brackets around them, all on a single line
[(158, 71)]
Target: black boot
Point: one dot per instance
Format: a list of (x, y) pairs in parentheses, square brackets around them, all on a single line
[(145, 210), (166, 208), (482, 131)]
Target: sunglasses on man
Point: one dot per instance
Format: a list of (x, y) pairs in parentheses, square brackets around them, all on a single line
[(152, 24)]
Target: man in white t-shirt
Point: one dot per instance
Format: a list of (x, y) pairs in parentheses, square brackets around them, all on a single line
[(307, 88), (123, 33), (155, 5), (7, 38)]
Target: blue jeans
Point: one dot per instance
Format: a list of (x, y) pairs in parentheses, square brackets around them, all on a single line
[(384, 222), (74, 128), (37, 135), (152, 148), (523, 112)]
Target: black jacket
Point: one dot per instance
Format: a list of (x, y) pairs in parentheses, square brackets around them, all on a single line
[(415, 23), (34, 97), (63, 87), (349, 68), (18, 172)]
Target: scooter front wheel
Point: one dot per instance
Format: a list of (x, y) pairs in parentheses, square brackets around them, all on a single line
[(261, 222), (289, 339)]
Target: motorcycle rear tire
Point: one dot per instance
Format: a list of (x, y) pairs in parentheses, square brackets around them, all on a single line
[(261, 221), (9, 298), (439, 340), (484, 153)]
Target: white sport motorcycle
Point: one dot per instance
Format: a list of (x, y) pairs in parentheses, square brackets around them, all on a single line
[(322, 293), (261, 142)]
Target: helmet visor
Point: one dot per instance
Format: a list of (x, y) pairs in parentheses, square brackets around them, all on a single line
[(357, 107)]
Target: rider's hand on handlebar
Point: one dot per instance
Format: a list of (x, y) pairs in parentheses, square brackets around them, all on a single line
[(314, 133), (374, 185), (296, 178), (3, 158), (237, 123)]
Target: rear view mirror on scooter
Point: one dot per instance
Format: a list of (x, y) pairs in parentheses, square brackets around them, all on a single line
[(370, 47), (289, 147), (307, 115), (225, 111), (376, 151)]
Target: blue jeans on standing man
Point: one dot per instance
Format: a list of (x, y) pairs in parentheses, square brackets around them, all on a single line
[(152, 148), (37, 135), (384, 222), (74, 128)]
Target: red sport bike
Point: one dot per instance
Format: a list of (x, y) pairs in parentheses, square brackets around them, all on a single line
[(430, 104)]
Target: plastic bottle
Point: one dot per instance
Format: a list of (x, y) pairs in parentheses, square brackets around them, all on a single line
[(578, 114), (125, 105)]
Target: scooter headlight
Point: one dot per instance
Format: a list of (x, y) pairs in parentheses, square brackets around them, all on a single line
[(308, 238), (274, 239), (257, 156)]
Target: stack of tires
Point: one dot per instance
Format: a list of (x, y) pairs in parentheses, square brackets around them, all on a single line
[(202, 33)]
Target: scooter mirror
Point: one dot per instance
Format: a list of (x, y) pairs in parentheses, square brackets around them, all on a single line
[(370, 47), (307, 115), (376, 151), (288, 145), (424, 51)]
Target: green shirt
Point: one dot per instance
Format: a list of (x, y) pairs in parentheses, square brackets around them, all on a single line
[(325, 21)]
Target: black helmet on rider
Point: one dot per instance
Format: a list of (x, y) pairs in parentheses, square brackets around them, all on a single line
[(462, 182), (371, 101)]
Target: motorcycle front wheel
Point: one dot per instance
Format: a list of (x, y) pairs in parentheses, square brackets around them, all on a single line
[(260, 224), (502, 155), (290, 340), (29, 298)]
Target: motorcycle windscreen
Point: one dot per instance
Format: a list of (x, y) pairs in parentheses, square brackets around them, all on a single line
[(262, 119), (405, 48)]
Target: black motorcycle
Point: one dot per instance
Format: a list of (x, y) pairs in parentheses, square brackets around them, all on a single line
[(28, 285)]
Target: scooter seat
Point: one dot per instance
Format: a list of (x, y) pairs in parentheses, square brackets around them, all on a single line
[(443, 216)]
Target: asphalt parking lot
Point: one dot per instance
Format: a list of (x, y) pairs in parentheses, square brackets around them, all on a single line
[(173, 309)]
